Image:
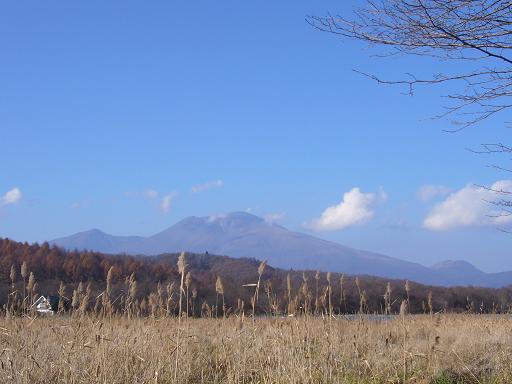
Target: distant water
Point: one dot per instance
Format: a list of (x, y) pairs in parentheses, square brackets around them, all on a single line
[(353, 317)]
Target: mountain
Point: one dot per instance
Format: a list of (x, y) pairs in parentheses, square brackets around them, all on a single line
[(242, 234), (96, 240), (459, 272)]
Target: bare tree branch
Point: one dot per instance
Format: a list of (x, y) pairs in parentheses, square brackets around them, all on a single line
[(477, 32), (474, 30)]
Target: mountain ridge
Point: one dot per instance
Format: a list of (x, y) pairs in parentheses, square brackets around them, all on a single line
[(240, 234)]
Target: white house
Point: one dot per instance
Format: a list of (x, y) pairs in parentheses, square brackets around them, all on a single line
[(43, 306)]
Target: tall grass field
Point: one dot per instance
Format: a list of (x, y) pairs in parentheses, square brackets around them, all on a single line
[(307, 349)]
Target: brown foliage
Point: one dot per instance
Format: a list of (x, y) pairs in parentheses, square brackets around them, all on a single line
[(286, 293)]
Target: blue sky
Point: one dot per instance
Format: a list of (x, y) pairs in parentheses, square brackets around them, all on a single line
[(112, 112)]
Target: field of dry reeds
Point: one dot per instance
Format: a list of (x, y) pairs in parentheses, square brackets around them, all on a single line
[(408, 348), (299, 338)]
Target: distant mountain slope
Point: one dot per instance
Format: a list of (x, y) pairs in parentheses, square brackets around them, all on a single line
[(241, 234), (96, 240), (245, 235)]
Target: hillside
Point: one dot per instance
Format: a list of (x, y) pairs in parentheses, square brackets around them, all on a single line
[(51, 265)]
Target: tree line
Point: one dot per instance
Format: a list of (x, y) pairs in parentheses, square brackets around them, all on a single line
[(210, 285)]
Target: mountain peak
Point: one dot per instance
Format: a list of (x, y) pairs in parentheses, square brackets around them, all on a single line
[(225, 221), (242, 234), (456, 265), (236, 218), (93, 231)]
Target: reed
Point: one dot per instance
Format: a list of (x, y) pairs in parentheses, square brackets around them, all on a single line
[(317, 303), (182, 265), (261, 270), (24, 274), (219, 289), (62, 296), (290, 309), (31, 288), (343, 307), (429, 303), (329, 289), (188, 282), (387, 299)]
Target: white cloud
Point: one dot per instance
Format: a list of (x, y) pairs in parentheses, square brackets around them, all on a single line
[(208, 185), (429, 192), (470, 207), (355, 208), (218, 216), (165, 205), (274, 217), (10, 197), (150, 193)]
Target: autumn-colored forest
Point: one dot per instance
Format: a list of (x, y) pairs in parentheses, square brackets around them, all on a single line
[(281, 291)]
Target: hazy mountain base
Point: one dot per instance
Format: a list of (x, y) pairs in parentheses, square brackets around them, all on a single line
[(445, 349)]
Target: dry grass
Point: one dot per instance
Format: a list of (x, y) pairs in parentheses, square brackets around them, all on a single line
[(446, 349)]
